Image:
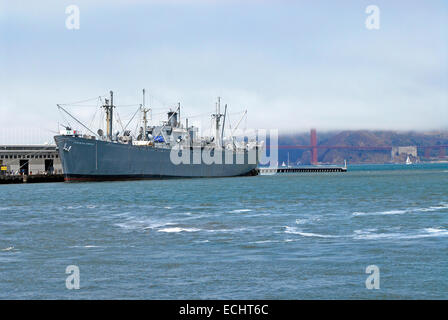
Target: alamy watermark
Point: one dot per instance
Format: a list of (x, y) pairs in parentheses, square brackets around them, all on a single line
[(248, 148), (72, 21), (73, 280), (373, 280), (373, 20)]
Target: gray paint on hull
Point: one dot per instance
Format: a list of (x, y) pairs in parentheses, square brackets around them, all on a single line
[(101, 160)]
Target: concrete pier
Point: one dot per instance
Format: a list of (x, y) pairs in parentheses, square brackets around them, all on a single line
[(302, 169), (8, 179)]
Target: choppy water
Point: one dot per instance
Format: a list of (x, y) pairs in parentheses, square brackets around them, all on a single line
[(298, 236)]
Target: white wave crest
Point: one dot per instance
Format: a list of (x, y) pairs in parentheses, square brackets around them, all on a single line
[(132, 224), (240, 210), (441, 206), (423, 233), (178, 229), (379, 213), (292, 230), (264, 241), (307, 220)]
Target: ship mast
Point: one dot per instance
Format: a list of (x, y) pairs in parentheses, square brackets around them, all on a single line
[(109, 106), (223, 125), (217, 116), (145, 117)]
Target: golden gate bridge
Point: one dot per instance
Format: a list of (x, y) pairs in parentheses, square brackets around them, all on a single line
[(314, 147)]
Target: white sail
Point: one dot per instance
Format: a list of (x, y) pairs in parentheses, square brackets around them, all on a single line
[(408, 161)]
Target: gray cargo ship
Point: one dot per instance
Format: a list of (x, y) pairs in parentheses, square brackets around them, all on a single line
[(169, 150)]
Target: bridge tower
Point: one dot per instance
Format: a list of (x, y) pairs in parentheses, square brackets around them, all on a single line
[(313, 144)]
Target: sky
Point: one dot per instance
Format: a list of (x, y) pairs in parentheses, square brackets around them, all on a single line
[(292, 65)]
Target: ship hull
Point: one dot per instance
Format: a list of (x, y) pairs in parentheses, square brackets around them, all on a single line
[(95, 160)]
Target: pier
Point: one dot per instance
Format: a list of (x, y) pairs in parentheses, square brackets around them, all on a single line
[(40, 178), (35, 178), (314, 169)]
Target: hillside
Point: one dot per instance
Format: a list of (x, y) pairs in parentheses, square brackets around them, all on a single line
[(360, 138)]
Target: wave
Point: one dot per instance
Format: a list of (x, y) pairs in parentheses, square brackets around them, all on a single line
[(441, 206), (293, 230), (309, 234), (142, 224), (272, 241), (73, 207), (307, 220), (264, 241), (437, 231), (240, 210), (8, 249), (242, 229), (178, 229), (372, 234), (434, 208), (173, 226), (87, 246), (423, 233), (379, 213), (258, 215)]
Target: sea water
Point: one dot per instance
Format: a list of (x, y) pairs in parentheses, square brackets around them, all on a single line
[(287, 236)]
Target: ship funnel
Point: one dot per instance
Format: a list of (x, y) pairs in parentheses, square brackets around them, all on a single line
[(172, 118)]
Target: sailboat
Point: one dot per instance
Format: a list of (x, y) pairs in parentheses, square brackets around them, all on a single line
[(408, 161)]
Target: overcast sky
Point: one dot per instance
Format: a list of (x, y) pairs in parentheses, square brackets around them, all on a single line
[(292, 64)]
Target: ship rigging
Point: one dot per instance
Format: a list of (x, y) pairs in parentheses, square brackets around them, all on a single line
[(152, 135)]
